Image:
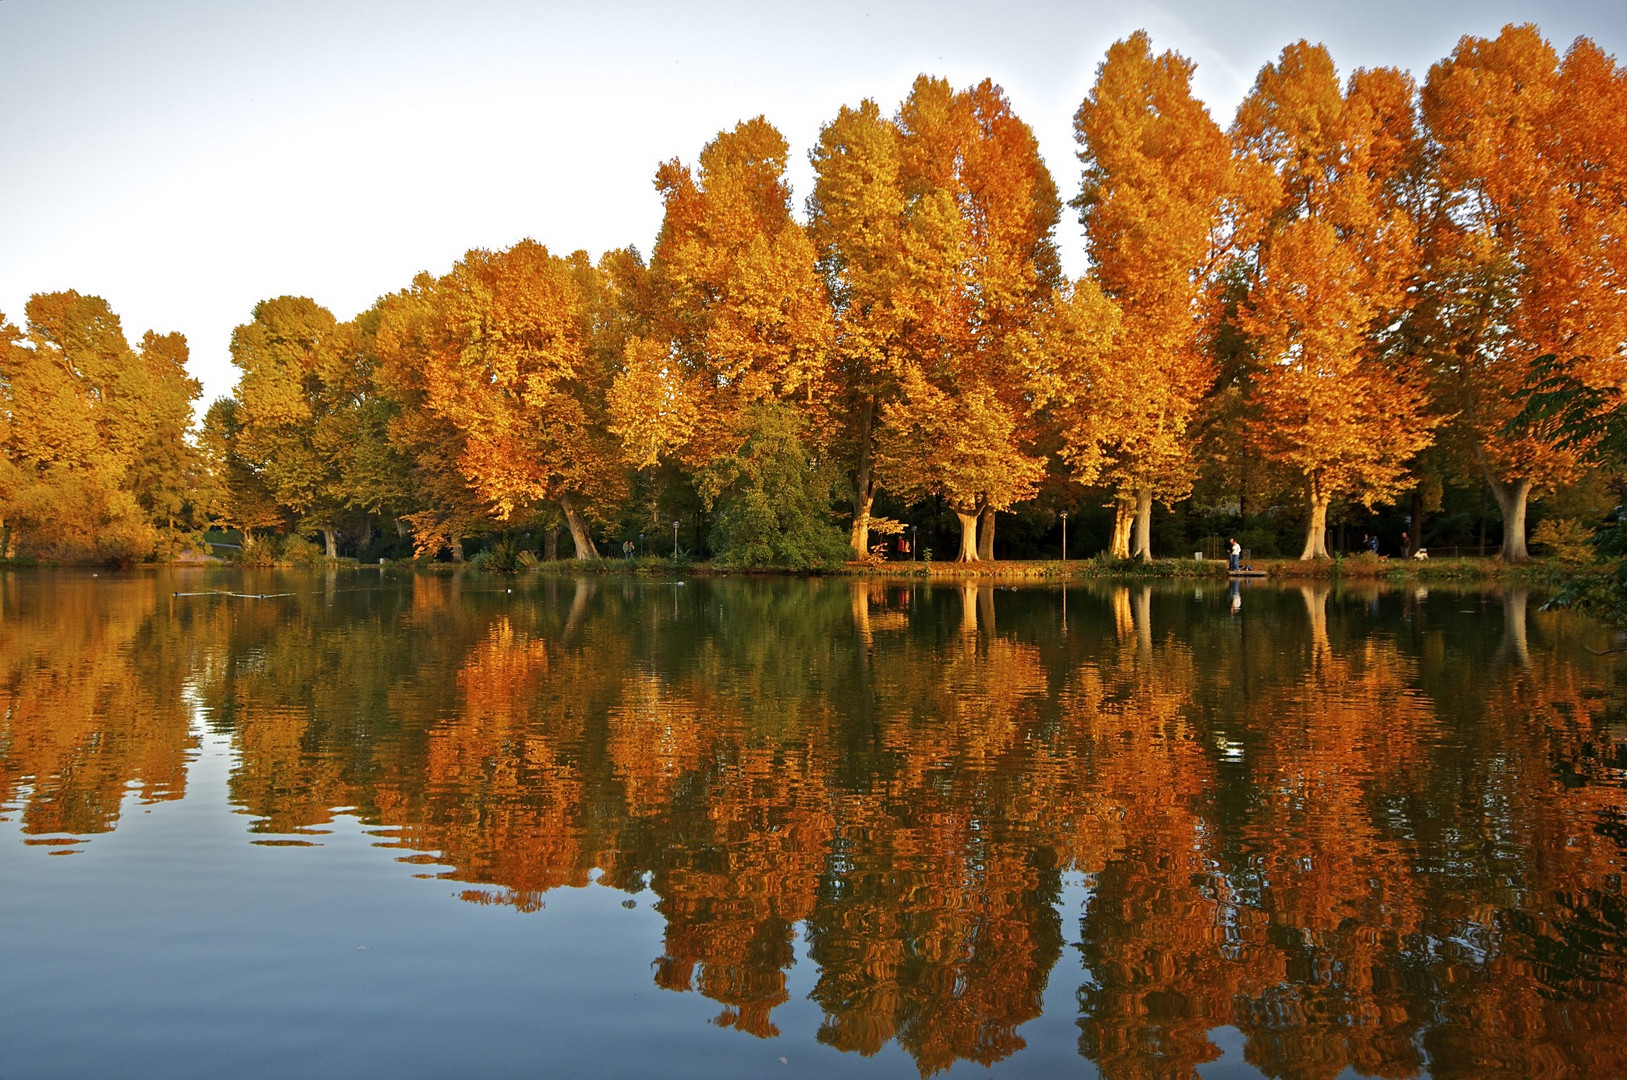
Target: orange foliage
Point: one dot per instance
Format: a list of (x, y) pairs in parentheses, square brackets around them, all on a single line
[(517, 363), (1330, 250), (1156, 170), (974, 269), (1525, 258), (737, 314)]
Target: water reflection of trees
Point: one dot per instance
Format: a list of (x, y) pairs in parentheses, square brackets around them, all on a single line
[(1368, 829), (92, 702)]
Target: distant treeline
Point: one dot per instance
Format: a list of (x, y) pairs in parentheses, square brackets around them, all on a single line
[(1340, 302)]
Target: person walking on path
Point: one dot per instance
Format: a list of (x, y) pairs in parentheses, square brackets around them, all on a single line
[(1234, 558)]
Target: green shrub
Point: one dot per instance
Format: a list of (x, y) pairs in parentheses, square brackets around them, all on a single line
[(300, 551), (502, 557)]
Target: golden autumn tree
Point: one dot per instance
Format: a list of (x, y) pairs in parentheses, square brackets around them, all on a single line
[(1156, 170), (860, 228), (736, 314), (518, 367), (241, 497), (1524, 247), (441, 507), (10, 473), (94, 432), (307, 414), (969, 277), (166, 473), (1330, 250)]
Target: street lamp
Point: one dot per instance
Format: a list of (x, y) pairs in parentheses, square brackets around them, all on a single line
[(1064, 537)]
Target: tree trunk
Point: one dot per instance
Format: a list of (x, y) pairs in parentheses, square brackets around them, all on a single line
[(968, 536), (330, 538), (5, 540), (985, 536), (1143, 526), (550, 543), (1123, 515), (457, 548), (579, 528), (859, 539), (864, 483), (1316, 530), (1511, 499), (1482, 550)]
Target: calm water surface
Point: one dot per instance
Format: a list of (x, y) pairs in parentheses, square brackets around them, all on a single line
[(377, 824)]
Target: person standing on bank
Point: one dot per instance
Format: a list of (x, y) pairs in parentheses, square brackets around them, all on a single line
[(1234, 556)]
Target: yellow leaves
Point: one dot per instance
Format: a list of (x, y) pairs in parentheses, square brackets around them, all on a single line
[(651, 410), (1530, 166), (934, 231), (740, 315), (515, 359), (962, 446), (93, 432), (1156, 171), (1331, 255)]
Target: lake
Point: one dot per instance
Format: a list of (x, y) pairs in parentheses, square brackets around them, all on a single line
[(378, 823)]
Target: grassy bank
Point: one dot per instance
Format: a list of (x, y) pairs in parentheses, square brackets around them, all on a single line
[(1353, 568)]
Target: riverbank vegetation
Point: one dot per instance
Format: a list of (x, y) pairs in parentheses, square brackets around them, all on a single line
[(1321, 322)]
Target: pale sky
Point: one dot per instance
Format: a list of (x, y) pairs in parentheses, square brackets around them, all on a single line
[(185, 160)]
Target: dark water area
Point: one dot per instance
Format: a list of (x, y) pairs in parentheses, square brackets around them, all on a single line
[(371, 823)]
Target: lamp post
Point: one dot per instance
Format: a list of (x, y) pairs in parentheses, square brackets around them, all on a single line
[(1064, 538)]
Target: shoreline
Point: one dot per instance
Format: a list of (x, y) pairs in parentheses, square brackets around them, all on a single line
[(1356, 568)]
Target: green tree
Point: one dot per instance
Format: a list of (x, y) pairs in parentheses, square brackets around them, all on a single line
[(307, 413), (773, 499)]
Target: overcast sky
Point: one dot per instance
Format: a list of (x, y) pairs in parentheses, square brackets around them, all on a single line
[(185, 160)]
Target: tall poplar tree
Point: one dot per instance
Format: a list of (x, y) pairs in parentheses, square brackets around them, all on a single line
[(1524, 248), (860, 227), (1157, 168), (1330, 252), (94, 435), (934, 229), (440, 506)]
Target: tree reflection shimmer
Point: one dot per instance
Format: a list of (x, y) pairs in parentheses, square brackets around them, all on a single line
[(1380, 830)]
